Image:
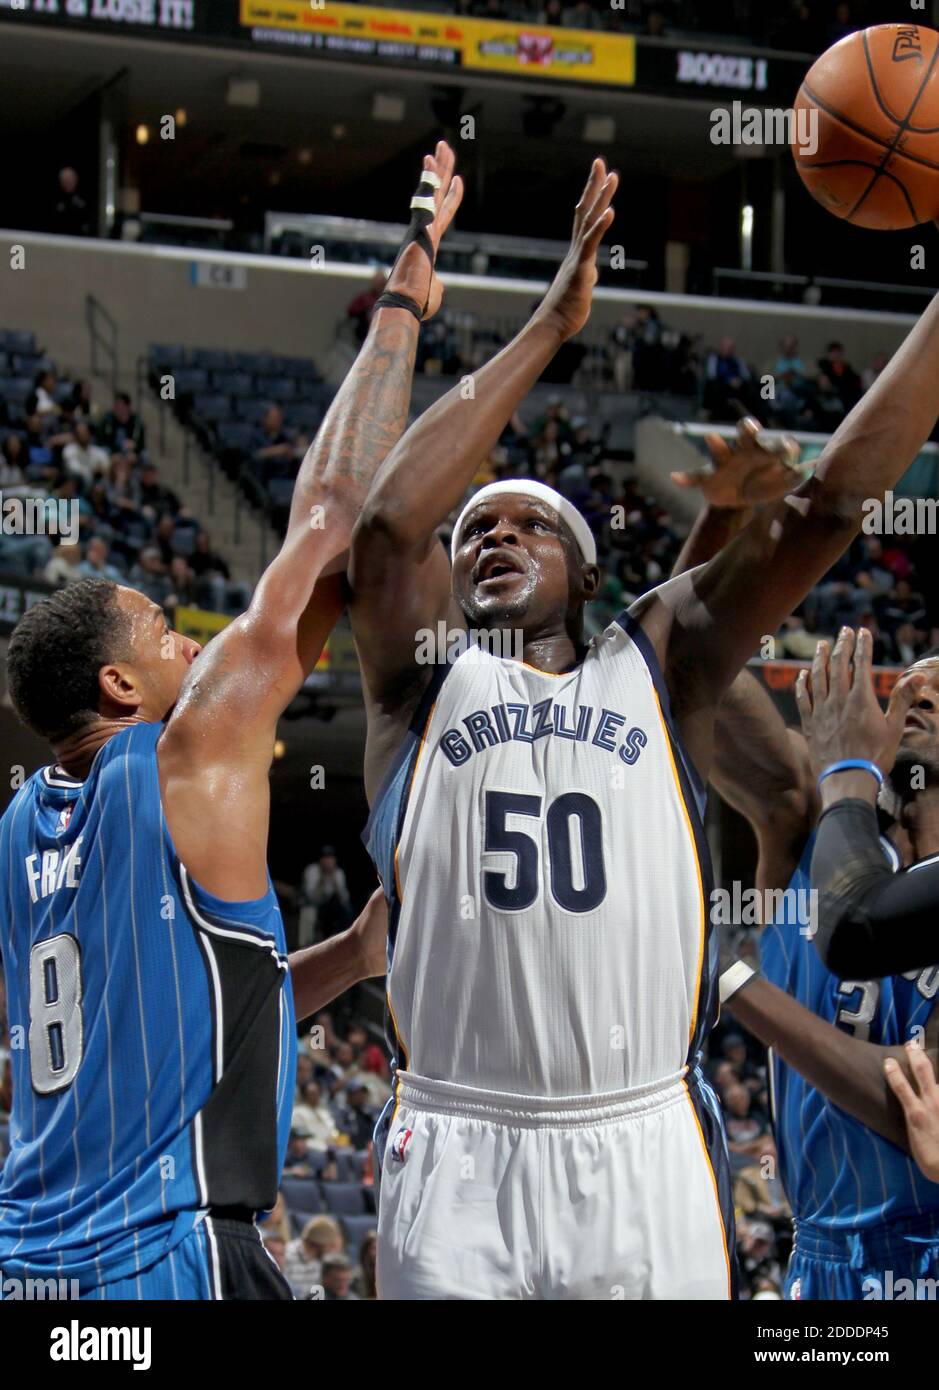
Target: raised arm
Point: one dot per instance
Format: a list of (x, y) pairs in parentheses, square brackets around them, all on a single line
[(706, 624), (216, 751), (761, 767), (399, 574)]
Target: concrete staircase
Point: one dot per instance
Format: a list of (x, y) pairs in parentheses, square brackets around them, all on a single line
[(239, 532)]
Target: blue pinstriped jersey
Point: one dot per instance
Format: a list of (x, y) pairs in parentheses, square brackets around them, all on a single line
[(836, 1172), (152, 1028)]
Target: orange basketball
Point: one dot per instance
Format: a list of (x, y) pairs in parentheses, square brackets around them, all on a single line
[(876, 94)]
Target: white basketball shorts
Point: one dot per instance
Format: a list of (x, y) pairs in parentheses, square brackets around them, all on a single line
[(487, 1195)]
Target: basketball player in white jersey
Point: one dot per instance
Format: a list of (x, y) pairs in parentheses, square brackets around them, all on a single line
[(536, 821)]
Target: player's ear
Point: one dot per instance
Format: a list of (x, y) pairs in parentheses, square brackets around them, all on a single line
[(590, 581), (118, 688)]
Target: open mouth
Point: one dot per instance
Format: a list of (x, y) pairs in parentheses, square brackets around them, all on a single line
[(915, 721), (495, 566)]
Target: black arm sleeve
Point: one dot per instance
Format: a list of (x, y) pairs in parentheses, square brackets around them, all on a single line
[(871, 921)]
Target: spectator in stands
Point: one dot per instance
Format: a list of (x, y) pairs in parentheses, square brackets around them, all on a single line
[(276, 1247), (361, 308), (82, 401), (122, 430), (38, 446), (801, 32), (336, 1280), (727, 382), (842, 24), (96, 564), (372, 1058), (645, 335), (303, 1261), (83, 458), (580, 16), (274, 449), (298, 1161), (13, 460), (326, 903), (155, 499), (342, 1068), (41, 399), (215, 587), (183, 584), (354, 1115), (553, 13), (656, 25), (871, 373), (364, 1282), (149, 576), (842, 375), (65, 565), (70, 213), (790, 361), (313, 1117)]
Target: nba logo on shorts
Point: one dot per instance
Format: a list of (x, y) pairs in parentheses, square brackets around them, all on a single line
[(399, 1144), (796, 1292)]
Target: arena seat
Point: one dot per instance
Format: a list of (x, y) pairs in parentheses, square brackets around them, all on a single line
[(344, 1198), (302, 1195), (356, 1228)]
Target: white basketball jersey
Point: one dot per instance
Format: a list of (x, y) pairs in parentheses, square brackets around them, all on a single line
[(540, 842)]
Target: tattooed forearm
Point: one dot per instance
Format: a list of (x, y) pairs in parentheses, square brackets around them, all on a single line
[(366, 419)]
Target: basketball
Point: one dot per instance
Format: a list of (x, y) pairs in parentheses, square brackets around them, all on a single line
[(875, 98)]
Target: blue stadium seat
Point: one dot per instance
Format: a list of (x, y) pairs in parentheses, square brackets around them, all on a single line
[(278, 388), (236, 434), (215, 359), (211, 407), (356, 1228), (167, 355), (15, 389), (302, 1194), (233, 383), (280, 491), (251, 408), (17, 340), (188, 380), (250, 361), (303, 367), (344, 1198), (306, 417)]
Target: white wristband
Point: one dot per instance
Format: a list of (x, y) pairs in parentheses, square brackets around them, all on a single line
[(733, 979)]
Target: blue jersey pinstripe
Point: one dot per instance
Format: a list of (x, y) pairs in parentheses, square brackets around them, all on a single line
[(837, 1173), (127, 1107)]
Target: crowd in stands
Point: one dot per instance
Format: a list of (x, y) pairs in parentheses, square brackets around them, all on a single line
[(801, 26), (120, 520)]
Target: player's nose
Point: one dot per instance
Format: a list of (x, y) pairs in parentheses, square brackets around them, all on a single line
[(190, 648)]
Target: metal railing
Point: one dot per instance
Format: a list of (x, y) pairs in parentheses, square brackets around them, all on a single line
[(103, 337)]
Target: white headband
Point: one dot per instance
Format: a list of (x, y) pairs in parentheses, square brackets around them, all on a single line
[(527, 487)]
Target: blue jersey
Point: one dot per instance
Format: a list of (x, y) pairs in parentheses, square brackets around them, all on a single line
[(152, 1029), (836, 1172)]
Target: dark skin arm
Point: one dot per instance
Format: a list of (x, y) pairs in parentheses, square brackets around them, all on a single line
[(215, 754), (851, 1073), (322, 972), (760, 767), (400, 576), (705, 624)]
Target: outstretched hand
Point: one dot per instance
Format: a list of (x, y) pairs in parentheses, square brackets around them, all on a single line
[(567, 303), (841, 716), (920, 1101), (413, 275), (746, 472)]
